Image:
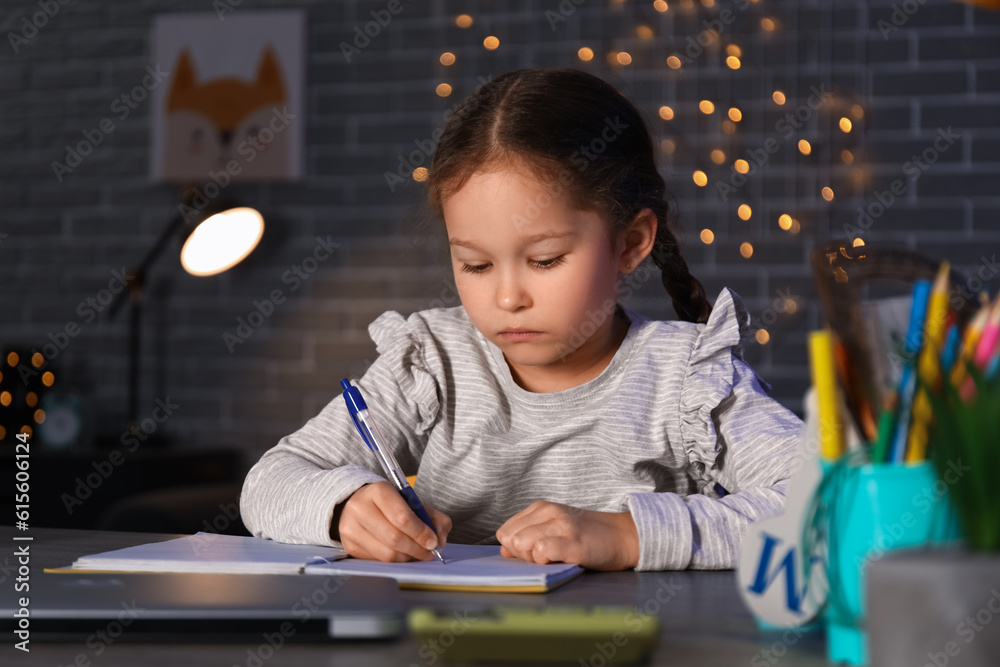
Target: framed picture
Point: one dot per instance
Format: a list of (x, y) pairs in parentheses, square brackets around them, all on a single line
[(231, 106)]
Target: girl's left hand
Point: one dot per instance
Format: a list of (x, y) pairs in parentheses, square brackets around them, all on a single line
[(546, 532)]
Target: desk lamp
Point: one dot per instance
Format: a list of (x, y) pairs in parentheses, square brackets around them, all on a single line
[(214, 240)]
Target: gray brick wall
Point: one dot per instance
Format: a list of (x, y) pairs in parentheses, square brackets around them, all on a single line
[(914, 67)]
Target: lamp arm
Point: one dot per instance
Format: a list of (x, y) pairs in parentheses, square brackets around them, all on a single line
[(161, 243), (137, 276)]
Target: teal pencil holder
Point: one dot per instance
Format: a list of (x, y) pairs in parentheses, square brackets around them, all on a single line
[(869, 510)]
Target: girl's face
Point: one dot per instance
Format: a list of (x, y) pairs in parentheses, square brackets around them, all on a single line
[(525, 259)]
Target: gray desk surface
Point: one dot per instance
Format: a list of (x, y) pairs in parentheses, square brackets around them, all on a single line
[(703, 620)]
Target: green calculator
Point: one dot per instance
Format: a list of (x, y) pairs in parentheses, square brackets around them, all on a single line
[(597, 635)]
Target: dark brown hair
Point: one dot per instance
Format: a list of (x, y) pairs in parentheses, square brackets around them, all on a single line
[(566, 122)]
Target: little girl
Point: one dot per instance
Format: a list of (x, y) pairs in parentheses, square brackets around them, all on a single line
[(541, 414)]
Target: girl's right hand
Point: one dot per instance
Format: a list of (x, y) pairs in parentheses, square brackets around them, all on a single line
[(377, 524)]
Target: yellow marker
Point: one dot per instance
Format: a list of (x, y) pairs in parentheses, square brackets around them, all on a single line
[(824, 378), (929, 364)]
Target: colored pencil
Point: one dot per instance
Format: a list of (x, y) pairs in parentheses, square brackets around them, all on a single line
[(928, 365), (952, 347), (993, 367), (969, 342), (908, 381), (886, 427), (985, 347), (988, 341)]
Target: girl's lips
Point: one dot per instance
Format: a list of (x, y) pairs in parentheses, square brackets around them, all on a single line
[(515, 336)]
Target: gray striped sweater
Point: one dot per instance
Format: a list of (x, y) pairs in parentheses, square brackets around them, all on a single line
[(677, 430)]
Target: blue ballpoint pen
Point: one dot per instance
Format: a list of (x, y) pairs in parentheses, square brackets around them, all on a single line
[(373, 438)]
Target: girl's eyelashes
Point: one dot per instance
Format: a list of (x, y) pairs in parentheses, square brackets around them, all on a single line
[(542, 264), (548, 263)]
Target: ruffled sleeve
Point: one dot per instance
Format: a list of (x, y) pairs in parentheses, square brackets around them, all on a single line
[(415, 378), (740, 448), (709, 381), (290, 494)]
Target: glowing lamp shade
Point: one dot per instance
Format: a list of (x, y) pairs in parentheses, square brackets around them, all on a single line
[(222, 241)]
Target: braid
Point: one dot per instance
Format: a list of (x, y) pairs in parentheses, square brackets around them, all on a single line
[(686, 291)]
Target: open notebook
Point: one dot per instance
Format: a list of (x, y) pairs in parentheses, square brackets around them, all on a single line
[(210, 553), (467, 567)]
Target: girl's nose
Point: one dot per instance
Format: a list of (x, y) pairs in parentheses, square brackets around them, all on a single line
[(511, 294)]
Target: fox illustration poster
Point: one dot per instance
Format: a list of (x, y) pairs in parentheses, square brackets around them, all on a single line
[(230, 108)]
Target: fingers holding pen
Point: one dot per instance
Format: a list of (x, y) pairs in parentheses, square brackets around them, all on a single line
[(377, 524), (442, 524)]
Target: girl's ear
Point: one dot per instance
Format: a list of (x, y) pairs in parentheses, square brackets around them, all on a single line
[(636, 242)]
